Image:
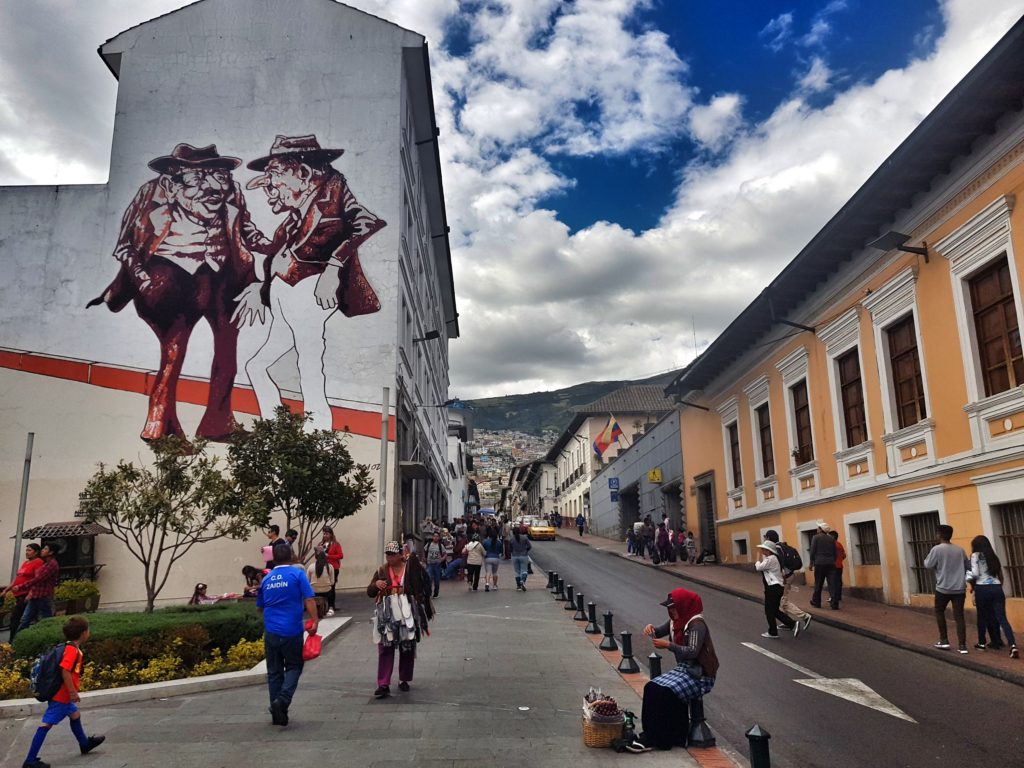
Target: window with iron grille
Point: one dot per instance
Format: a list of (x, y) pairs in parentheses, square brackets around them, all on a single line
[(734, 454), (1011, 522), (852, 395), (995, 326), (905, 362), (804, 449), (866, 536), (764, 430), (921, 530)]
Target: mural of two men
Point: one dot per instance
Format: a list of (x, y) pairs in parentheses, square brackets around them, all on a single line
[(188, 249)]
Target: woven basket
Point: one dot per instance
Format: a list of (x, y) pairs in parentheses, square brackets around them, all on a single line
[(601, 735)]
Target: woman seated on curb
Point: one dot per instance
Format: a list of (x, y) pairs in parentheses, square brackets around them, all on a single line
[(665, 715)]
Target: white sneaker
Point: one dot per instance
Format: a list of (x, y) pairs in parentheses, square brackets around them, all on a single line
[(330, 612), (807, 622), (769, 636), (796, 628)]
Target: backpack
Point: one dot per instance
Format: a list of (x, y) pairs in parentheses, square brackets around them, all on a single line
[(46, 677), (789, 558)]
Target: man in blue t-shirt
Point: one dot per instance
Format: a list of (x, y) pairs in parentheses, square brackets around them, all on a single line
[(285, 594)]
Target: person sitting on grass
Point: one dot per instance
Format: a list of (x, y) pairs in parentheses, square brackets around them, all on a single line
[(253, 577), (665, 712), (199, 596), (65, 702)]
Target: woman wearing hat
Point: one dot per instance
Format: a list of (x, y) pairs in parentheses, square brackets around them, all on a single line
[(774, 587), (665, 712), (402, 613)]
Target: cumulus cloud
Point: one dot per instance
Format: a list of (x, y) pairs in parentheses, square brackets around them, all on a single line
[(536, 82)]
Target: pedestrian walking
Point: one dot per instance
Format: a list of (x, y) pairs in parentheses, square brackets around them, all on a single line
[(986, 581), (64, 702), (801, 618), (691, 548), (39, 589), (18, 588), (840, 562), (475, 555), (273, 534), (630, 542), (581, 522), (493, 551), (335, 554), (664, 545), (435, 555), (321, 578), (292, 537), (823, 563), (950, 564), (648, 538), (402, 614), (665, 714), (521, 547), (774, 586), (285, 594)]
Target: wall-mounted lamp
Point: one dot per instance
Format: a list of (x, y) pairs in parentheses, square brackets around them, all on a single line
[(894, 241), (430, 336)]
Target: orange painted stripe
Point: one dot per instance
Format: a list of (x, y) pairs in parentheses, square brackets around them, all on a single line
[(194, 391)]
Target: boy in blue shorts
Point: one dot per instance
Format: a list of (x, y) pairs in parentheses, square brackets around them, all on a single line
[(64, 702)]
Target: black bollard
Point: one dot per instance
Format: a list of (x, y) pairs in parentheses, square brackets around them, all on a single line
[(758, 737), (554, 582), (654, 664), (700, 734), (560, 594), (551, 579), (592, 628), (628, 663), (580, 614), (608, 642), (570, 600)]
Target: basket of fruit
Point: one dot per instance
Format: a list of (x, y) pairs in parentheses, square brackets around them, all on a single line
[(602, 720)]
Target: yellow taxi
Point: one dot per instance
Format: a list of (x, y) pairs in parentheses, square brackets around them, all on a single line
[(539, 528)]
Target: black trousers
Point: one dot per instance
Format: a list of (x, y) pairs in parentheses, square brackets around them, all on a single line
[(772, 600), (665, 719), (821, 574), (473, 575), (19, 609)]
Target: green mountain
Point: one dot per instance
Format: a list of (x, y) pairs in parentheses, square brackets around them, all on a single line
[(538, 412)]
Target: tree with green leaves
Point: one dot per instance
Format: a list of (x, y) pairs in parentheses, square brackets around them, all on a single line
[(161, 512), (308, 477)]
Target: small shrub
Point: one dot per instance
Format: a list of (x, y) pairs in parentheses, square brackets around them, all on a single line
[(14, 681), (245, 654), (76, 590), (210, 666), (191, 643), (8, 603)]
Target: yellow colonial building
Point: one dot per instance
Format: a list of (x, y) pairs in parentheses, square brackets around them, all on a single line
[(877, 383)]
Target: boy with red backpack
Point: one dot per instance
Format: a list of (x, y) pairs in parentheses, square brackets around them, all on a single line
[(64, 702)]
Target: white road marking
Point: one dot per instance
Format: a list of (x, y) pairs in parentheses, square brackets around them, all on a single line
[(787, 662), (847, 688)]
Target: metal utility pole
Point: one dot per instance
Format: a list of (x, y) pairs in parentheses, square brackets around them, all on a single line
[(22, 504), (382, 481)]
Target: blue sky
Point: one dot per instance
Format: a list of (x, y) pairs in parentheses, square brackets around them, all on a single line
[(621, 175)]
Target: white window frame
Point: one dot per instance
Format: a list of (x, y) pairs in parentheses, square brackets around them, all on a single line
[(905, 504), (998, 488), (912, 447), (738, 537), (850, 574), (793, 368), (981, 240), (840, 337), (729, 411), (766, 488)]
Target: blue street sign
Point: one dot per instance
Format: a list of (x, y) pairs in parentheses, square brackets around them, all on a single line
[(613, 484), (615, 496)]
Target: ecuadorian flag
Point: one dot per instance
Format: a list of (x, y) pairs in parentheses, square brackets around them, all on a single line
[(610, 434)]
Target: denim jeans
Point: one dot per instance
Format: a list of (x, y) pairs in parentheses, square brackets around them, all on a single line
[(284, 665), (36, 609), (453, 567), (991, 603), (521, 564), (434, 569)]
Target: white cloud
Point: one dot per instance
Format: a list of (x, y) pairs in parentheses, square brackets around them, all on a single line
[(778, 31), (817, 77), (714, 124)]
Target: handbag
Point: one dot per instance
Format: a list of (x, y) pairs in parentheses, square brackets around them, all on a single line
[(312, 647)]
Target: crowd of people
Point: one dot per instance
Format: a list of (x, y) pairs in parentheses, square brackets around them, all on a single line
[(661, 543)]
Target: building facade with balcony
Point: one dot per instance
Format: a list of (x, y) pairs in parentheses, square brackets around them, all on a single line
[(880, 388)]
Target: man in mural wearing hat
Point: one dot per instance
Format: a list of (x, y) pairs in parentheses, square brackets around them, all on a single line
[(311, 270), (185, 252)]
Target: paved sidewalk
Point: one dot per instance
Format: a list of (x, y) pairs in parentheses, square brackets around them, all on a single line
[(909, 628), (499, 683)]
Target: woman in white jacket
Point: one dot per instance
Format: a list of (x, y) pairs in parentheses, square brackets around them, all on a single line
[(774, 586)]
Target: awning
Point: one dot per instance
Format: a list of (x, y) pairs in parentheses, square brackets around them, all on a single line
[(63, 530), (414, 470)]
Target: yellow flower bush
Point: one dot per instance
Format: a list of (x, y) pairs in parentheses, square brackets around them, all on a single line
[(245, 654)]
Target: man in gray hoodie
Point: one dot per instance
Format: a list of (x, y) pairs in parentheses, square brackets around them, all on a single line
[(950, 564)]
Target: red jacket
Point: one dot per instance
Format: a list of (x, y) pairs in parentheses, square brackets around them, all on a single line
[(335, 555), (20, 584)]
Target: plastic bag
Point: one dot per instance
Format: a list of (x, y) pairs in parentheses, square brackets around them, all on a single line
[(311, 648)]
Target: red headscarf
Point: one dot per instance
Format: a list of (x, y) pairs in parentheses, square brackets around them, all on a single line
[(687, 604)]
